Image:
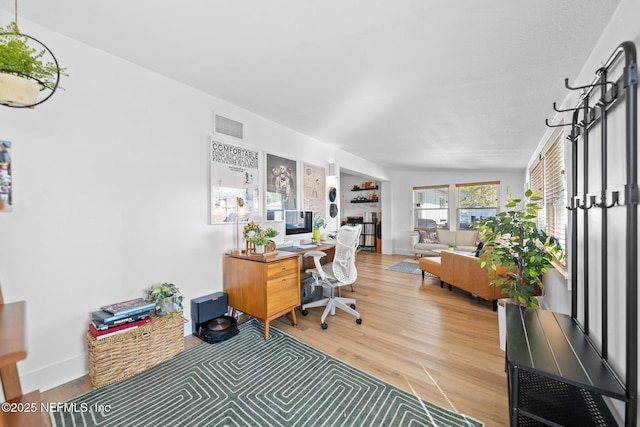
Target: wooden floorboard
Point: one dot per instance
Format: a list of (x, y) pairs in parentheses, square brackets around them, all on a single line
[(438, 344)]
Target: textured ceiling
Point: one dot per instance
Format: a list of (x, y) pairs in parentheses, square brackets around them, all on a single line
[(408, 84)]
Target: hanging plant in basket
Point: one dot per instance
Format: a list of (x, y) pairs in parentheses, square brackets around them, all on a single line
[(28, 69)]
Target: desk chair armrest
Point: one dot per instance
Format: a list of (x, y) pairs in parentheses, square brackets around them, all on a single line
[(318, 271), (314, 254)]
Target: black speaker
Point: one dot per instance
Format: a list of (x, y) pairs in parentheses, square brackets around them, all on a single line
[(208, 318)]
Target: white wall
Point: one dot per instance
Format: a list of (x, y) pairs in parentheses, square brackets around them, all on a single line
[(111, 197), (402, 184)]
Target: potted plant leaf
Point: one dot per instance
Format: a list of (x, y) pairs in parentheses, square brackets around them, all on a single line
[(318, 223), (23, 69), (513, 240), (167, 297)]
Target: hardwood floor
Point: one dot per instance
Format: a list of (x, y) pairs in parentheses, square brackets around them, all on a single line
[(440, 345)]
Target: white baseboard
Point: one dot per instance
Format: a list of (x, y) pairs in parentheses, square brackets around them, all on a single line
[(54, 375), (63, 372)]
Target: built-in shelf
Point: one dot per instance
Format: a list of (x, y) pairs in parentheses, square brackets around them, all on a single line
[(365, 201)]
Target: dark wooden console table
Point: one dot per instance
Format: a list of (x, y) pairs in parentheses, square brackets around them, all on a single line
[(555, 376)]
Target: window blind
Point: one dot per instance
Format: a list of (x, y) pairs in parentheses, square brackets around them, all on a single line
[(547, 176)]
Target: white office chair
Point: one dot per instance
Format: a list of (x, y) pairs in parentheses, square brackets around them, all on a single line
[(341, 272)]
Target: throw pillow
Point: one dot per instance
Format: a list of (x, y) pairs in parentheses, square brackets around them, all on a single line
[(429, 235)]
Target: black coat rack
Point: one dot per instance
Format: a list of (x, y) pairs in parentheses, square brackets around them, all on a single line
[(597, 100)]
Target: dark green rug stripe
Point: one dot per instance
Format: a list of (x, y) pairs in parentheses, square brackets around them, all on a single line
[(246, 381)]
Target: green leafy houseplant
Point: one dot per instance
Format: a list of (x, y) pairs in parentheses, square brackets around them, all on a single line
[(513, 240), (254, 234), (167, 297), (17, 57)]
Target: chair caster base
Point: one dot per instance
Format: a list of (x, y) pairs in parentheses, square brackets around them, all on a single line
[(359, 321), (305, 312), (353, 306), (324, 325)]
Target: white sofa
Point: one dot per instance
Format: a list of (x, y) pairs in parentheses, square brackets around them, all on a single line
[(423, 242)]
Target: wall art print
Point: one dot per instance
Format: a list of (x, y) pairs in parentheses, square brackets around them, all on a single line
[(281, 179), (313, 185), (6, 196), (234, 172)]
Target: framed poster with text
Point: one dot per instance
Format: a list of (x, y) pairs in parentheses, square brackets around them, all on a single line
[(234, 172)]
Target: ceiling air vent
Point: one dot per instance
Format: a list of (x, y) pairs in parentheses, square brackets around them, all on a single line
[(227, 126)]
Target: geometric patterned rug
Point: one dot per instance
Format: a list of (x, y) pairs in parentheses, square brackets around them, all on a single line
[(246, 381)]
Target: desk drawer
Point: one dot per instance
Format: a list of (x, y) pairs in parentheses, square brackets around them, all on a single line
[(283, 293), (282, 268)]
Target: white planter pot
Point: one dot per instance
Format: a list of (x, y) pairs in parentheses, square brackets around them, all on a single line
[(15, 90), (502, 320), (502, 323), (259, 249), (165, 306)]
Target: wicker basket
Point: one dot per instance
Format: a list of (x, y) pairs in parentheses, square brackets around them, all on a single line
[(122, 355)]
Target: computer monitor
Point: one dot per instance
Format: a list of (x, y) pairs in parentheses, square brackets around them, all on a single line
[(298, 222)]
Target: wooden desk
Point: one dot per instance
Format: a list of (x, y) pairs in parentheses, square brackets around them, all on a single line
[(266, 287)]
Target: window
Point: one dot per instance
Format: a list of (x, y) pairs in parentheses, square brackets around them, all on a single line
[(547, 177), (431, 207), (476, 201)]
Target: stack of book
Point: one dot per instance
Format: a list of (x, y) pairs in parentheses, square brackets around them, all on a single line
[(120, 317)]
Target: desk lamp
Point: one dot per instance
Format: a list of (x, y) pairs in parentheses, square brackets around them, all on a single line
[(239, 211)]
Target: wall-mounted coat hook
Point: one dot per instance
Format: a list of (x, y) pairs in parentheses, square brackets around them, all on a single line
[(615, 200), (566, 84), (569, 109), (574, 202), (592, 203), (556, 126)]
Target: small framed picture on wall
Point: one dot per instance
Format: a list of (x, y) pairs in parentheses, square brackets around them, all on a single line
[(313, 188), (6, 195), (282, 188)]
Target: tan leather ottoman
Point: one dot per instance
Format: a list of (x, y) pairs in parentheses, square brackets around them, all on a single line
[(431, 265)]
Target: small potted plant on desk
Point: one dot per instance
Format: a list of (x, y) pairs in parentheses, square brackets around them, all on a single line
[(259, 238), (318, 223), (167, 297), (452, 246)]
